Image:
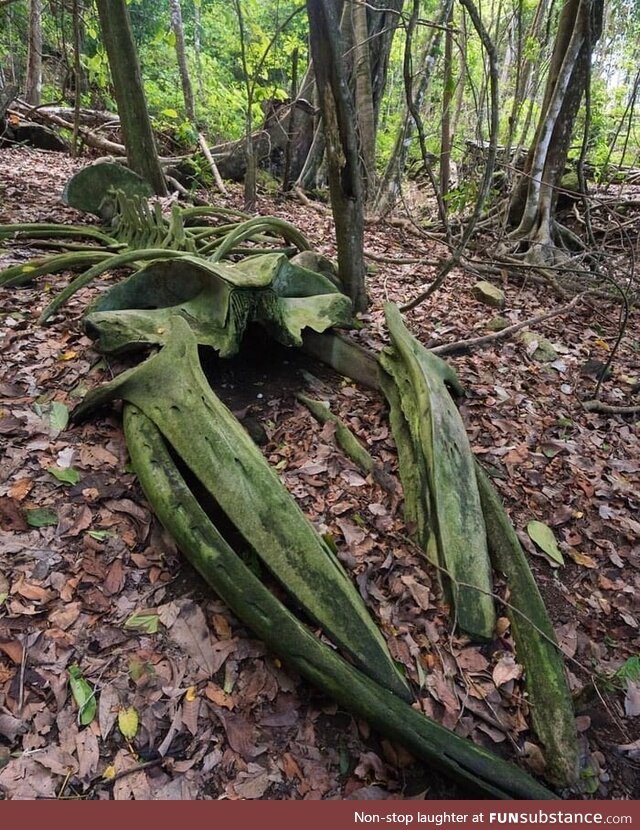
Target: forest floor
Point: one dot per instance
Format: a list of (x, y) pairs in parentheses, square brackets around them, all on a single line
[(88, 577)]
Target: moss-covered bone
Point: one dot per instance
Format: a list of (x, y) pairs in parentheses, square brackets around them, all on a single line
[(172, 391), (208, 552), (88, 189), (444, 490), (545, 680), (217, 300)]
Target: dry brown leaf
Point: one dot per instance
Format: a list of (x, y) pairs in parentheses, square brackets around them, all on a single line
[(134, 785), (115, 579), (290, 767), (353, 534), (191, 633), (218, 696), (251, 784), (240, 734), (108, 705), (88, 754), (190, 712), (65, 616), (13, 649), (20, 488), (471, 660), (23, 779), (11, 517), (506, 669)]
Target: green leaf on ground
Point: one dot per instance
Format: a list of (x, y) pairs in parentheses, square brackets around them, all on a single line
[(58, 416), (65, 474), (145, 622), (100, 535), (41, 517), (542, 535), (83, 694)]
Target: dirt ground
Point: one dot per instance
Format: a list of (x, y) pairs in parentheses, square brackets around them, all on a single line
[(88, 577)]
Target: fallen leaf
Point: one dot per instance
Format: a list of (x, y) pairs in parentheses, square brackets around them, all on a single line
[(543, 536), (353, 534), (632, 699), (240, 734), (41, 517), (107, 710), (11, 516), (83, 694), (191, 633), (128, 722), (505, 670), (21, 488)]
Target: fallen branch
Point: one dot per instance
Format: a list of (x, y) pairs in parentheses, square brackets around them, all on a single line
[(88, 136), (206, 152), (464, 346), (608, 409)]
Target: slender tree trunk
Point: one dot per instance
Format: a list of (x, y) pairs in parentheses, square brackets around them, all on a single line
[(181, 55), (383, 18), (527, 72), (77, 71), (138, 135), (579, 27), (286, 177), (250, 176), (345, 178), (447, 97), (364, 97), (33, 80), (197, 46), (390, 183)]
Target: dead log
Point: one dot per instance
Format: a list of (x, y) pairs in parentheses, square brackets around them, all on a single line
[(270, 142), (88, 136)]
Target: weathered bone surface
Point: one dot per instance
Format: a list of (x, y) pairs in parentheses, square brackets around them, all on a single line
[(218, 301), (438, 475), (172, 391)]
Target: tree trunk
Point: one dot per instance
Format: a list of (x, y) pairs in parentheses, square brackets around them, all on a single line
[(181, 55), (338, 116), (142, 153), (250, 176), (364, 97), (579, 28), (390, 184), (197, 46), (33, 80), (382, 21), (447, 98)]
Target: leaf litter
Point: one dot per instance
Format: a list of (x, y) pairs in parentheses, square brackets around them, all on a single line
[(88, 578)]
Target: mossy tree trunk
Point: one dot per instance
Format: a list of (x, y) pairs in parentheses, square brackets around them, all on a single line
[(139, 141)]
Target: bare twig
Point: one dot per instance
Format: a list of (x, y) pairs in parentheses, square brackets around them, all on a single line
[(478, 342), (609, 409)]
